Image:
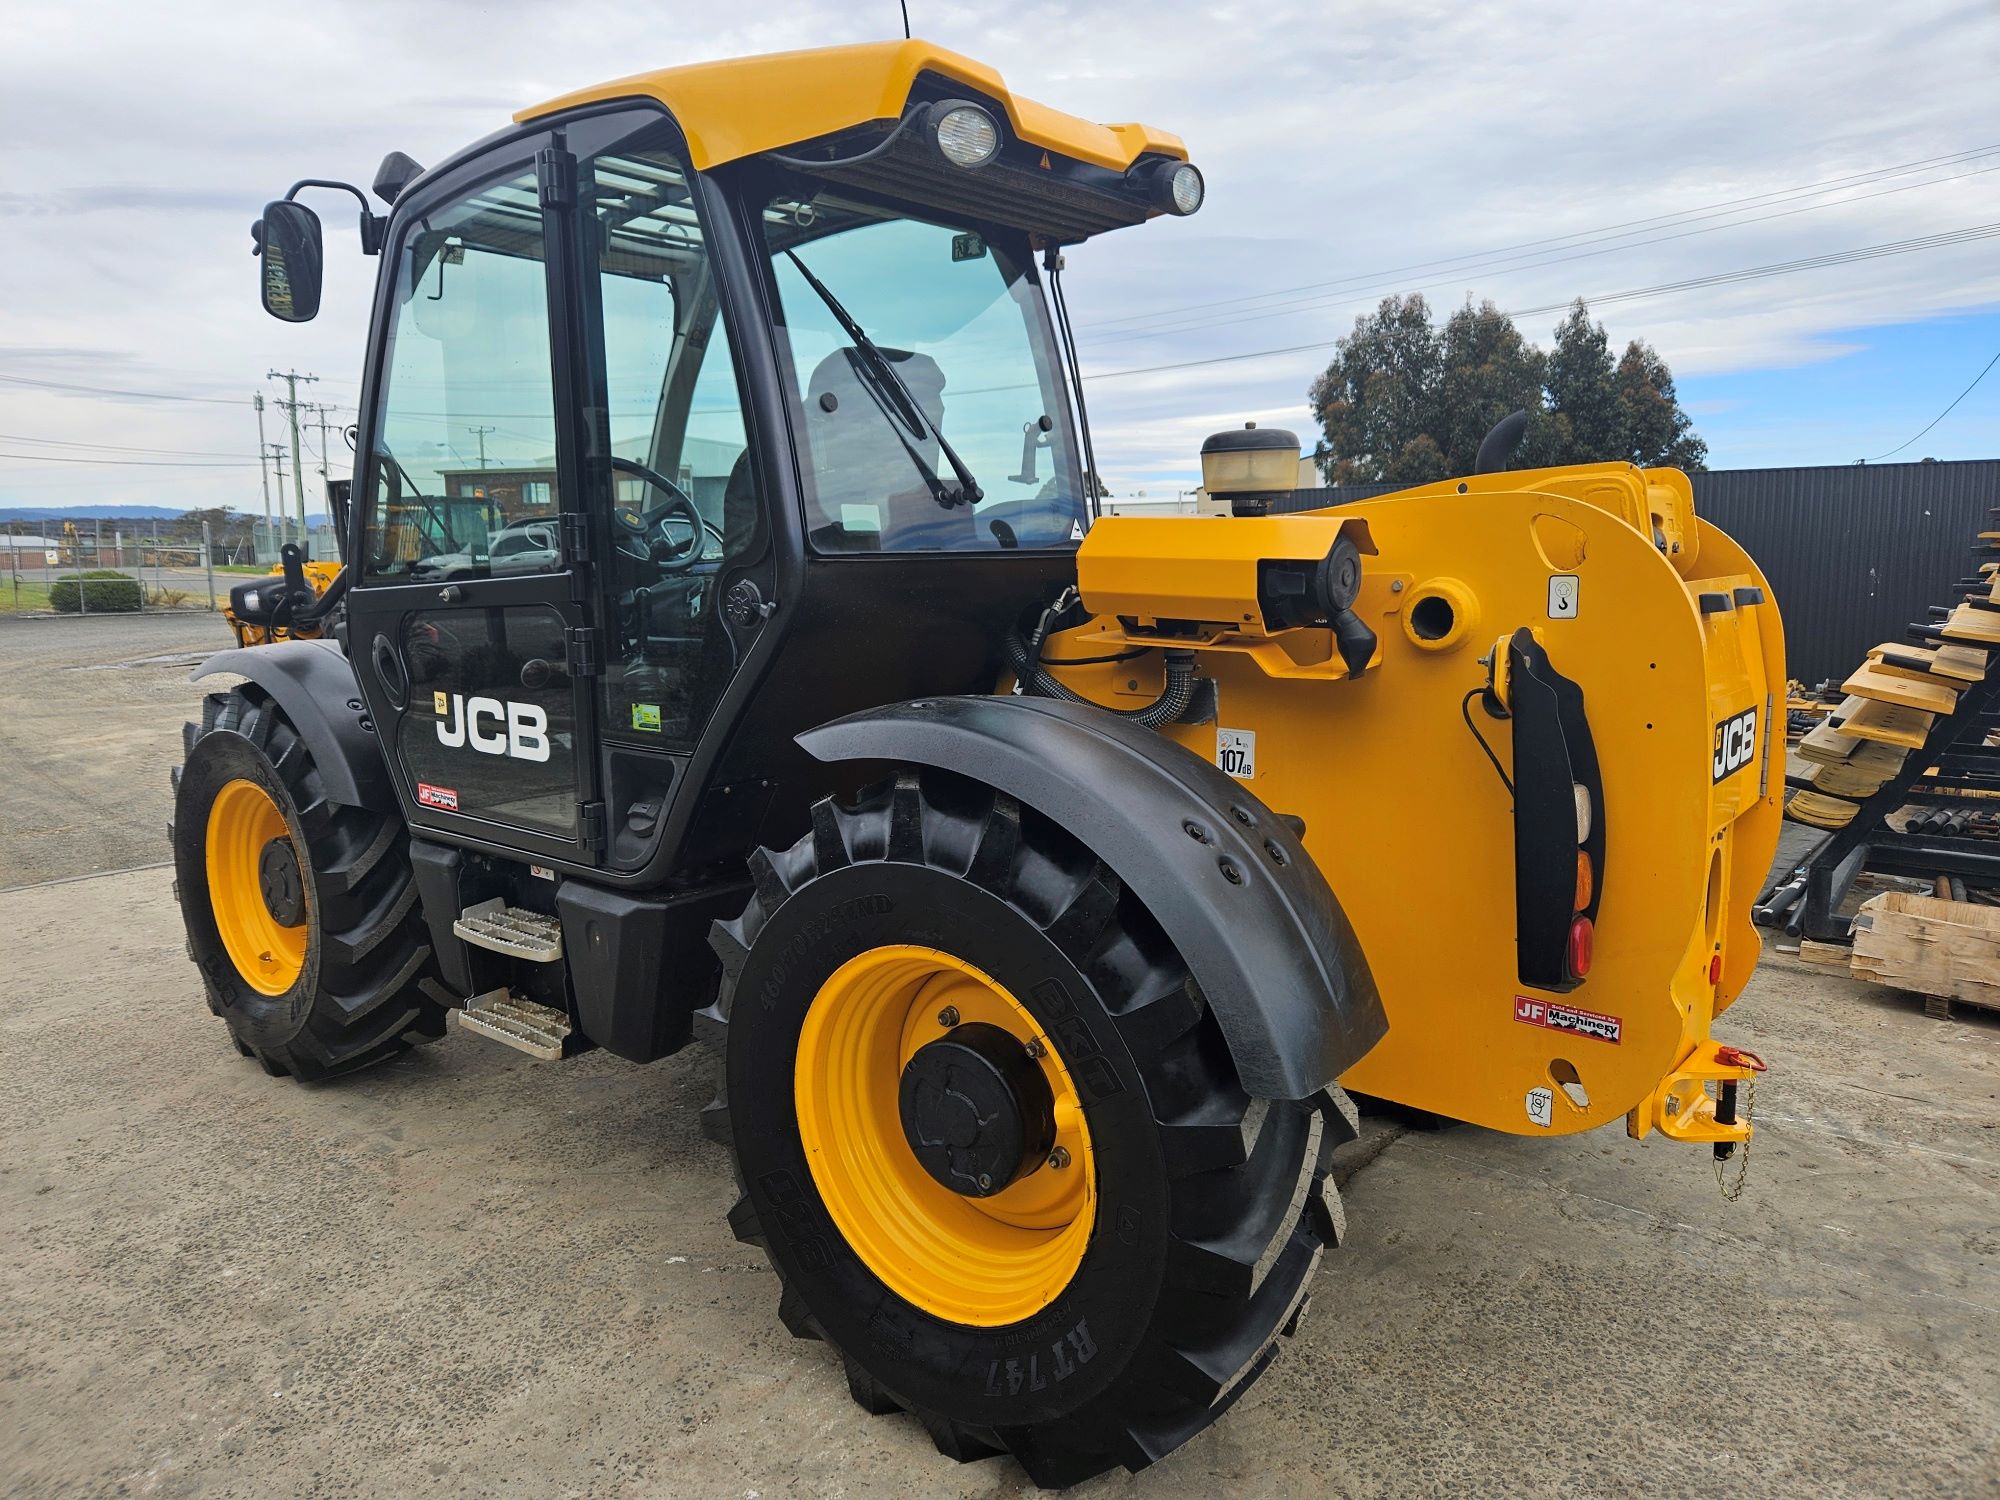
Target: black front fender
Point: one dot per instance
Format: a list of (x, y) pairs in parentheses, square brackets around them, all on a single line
[(314, 684), (1232, 884)]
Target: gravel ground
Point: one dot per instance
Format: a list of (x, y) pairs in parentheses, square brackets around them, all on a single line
[(466, 1272)]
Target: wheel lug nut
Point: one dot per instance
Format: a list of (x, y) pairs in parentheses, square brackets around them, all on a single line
[(1059, 1158), (1035, 1047), (985, 1183), (948, 1017)]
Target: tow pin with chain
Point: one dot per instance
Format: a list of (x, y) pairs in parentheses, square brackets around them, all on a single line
[(1725, 1114)]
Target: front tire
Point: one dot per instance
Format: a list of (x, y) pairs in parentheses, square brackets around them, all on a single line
[(301, 914), (1143, 1267)]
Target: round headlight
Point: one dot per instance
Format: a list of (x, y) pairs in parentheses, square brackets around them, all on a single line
[(966, 135), (1186, 188)]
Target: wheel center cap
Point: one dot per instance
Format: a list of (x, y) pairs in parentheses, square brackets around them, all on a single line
[(976, 1110), (279, 883)]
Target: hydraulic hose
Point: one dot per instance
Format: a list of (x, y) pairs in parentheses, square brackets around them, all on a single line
[(1165, 709)]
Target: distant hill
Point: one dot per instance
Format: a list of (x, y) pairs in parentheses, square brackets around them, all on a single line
[(43, 515)]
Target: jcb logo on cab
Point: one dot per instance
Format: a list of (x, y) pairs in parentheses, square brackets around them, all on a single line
[(494, 728)]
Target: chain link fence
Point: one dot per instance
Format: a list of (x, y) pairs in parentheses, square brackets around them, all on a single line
[(117, 570)]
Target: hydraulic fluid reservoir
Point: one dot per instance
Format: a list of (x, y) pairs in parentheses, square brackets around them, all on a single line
[(1250, 467)]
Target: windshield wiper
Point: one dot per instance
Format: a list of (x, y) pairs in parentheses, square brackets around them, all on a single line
[(889, 391)]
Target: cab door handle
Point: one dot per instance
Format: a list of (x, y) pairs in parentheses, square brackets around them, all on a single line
[(390, 671)]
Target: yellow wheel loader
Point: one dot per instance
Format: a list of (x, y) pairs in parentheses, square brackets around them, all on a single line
[(731, 651)]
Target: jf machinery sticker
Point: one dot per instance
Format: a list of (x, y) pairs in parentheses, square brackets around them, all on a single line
[(1570, 1018), (437, 796)]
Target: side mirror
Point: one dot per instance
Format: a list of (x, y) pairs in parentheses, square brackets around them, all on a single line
[(288, 239)]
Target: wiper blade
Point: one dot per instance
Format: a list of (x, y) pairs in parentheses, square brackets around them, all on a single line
[(889, 390)]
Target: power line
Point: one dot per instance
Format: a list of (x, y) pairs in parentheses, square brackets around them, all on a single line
[(1995, 360), (126, 463), (1684, 215), (18, 437), (1720, 278), (1501, 268), (105, 390)]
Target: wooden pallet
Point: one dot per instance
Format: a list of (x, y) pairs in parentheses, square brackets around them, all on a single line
[(1947, 950)]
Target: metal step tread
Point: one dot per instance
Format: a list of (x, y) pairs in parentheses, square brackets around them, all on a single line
[(511, 929), (538, 1030)]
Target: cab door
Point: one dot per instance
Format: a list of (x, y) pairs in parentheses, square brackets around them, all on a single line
[(469, 623)]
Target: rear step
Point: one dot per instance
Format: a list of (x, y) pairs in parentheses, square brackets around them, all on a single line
[(511, 929), (537, 1030)]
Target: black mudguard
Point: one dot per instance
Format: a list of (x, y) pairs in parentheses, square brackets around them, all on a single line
[(1231, 883), (314, 684)]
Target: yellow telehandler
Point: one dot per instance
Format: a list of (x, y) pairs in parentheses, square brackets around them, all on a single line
[(732, 650)]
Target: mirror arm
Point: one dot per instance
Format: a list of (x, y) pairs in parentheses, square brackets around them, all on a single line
[(373, 227)]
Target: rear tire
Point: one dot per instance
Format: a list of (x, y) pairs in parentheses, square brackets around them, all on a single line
[(1211, 1208), (301, 914)]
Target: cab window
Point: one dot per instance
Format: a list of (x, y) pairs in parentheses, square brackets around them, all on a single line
[(913, 343), (463, 469), (685, 511)]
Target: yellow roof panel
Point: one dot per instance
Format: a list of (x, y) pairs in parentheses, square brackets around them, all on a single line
[(745, 105)]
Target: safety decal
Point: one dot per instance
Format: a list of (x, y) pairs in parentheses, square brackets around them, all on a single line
[(1236, 752), (442, 703), (541, 872), (646, 716), (1570, 1018), (1563, 588), (437, 796), (1735, 743), (1541, 1107)]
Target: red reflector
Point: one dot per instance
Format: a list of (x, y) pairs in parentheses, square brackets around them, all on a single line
[(1715, 969), (1582, 936)]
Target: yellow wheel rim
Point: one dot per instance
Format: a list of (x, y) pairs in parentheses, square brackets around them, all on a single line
[(980, 1261), (241, 822)]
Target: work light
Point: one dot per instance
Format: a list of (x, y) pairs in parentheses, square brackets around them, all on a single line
[(966, 135)]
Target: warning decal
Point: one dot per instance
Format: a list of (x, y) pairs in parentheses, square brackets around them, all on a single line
[(1570, 1018)]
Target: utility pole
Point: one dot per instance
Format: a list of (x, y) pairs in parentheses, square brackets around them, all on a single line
[(278, 458), (291, 406), (264, 468), (480, 433), (325, 453)]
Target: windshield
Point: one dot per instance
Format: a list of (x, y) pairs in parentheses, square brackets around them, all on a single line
[(959, 322)]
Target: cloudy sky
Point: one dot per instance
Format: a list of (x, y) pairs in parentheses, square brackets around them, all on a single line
[(1527, 152)]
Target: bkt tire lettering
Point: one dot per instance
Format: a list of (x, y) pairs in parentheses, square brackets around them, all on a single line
[(517, 729), (1735, 743)]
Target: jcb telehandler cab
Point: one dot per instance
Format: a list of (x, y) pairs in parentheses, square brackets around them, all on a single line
[(731, 652)]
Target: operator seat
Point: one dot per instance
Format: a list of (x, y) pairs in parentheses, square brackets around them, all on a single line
[(866, 494)]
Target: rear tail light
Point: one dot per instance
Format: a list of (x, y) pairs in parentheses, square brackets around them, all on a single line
[(1582, 937)]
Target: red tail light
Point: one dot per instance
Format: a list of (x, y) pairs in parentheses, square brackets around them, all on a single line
[(1582, 939)]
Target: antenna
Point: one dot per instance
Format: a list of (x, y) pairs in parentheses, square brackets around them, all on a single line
[(906, 18)]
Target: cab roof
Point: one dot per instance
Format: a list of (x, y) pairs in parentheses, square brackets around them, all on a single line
[(746, 105)]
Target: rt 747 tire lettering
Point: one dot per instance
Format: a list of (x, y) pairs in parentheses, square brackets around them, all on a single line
[(1068, 1354)]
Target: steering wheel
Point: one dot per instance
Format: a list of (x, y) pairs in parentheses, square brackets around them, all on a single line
[(643, 524)]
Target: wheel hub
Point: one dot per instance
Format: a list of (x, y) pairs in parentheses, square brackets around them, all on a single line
[(977, 1110), (278, 882)]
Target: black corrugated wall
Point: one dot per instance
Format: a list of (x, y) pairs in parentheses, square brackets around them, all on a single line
[(1854, 552)]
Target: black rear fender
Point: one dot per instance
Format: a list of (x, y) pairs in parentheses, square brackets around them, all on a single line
[(1248, 909)]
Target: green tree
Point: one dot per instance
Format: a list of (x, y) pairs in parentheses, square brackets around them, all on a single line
[(1375, 401), (1405, 402), (1657, 431), (1488, 371)]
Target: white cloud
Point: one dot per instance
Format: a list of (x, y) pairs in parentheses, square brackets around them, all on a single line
[(138, 141)]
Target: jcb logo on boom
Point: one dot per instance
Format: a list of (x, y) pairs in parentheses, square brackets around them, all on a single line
[(492, 727), (1735, 743)]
